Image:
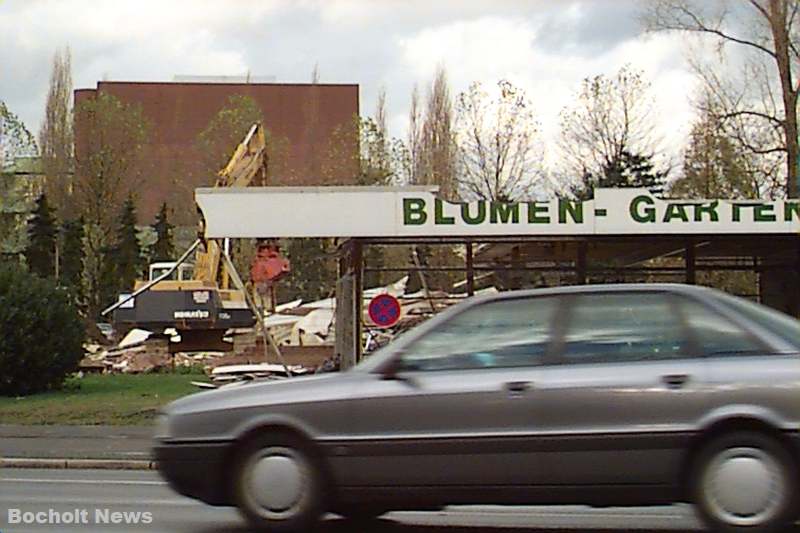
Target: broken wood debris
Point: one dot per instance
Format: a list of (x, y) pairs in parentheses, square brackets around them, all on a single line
[(304, 332)]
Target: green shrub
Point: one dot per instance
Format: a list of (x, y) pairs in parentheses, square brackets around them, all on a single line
[(41, 334)]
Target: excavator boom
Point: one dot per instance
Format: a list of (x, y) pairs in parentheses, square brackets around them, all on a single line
[(247, 166)]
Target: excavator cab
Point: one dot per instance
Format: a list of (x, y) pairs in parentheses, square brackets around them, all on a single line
[(184, 272)]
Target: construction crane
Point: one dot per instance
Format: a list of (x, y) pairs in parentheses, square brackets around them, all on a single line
[(197, 300)]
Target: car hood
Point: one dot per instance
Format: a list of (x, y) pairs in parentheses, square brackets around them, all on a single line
[(301, 389)]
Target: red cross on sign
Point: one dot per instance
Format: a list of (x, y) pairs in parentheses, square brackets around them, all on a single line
[(384, 310)]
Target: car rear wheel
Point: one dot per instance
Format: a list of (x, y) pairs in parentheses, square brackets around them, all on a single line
[(745, 481), (278, 484)]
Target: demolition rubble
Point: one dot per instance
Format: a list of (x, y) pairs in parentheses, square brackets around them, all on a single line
[(303, 331)]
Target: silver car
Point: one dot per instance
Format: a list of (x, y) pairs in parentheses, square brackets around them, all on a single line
[(599, 395)]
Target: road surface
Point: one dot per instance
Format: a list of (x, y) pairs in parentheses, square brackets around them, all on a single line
[(119, 501)]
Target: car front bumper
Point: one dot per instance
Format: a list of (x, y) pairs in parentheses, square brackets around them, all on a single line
[(196, 470)]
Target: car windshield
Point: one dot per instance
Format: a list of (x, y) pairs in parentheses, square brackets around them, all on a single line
[(774, 321)]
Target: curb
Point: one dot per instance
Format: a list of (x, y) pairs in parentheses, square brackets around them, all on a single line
[(102, 464)]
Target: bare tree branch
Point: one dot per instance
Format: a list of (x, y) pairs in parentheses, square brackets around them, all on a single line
[(496, 142), (770, 31), (700, 27)]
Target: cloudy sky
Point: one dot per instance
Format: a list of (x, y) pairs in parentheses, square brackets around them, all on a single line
[(545, 46)]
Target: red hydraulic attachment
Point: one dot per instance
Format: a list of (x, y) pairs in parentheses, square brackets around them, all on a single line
[(268, 265)]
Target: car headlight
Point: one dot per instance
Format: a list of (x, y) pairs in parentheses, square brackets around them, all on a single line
[(162, 426)]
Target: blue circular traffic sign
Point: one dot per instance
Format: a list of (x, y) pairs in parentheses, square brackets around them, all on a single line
[(384, 310)]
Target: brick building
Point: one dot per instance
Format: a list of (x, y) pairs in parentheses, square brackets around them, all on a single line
[(303, 116)]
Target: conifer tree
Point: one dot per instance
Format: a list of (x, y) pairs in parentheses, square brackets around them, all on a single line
[(164, 248), (122, 263), (128, 251), (314, 270), (42, 234), (628, 170), (70, 272)]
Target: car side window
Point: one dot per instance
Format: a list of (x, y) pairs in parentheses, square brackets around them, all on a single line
[(622, 327), (715, 335), (504, 333)]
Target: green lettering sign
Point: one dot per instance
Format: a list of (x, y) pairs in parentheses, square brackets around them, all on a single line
[(709, 209), (676, 211), (574, 209), (791, 211), (438, 217), (503, 212), (414, 212), (643, 213), (538, 213), (737, 214), (764, 213), (478, 218)]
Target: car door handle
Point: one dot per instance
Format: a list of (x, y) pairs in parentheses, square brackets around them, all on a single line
[(675, 381), (517, 387)]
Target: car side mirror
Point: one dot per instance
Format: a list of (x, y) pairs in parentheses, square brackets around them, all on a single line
[(394, 371), (392, 368)]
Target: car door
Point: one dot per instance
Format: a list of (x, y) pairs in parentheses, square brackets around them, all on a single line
[(754, 366), (618, 401), (457, 412)]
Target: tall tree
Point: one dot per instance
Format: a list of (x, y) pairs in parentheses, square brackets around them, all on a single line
[(164, 248), (70, 271), (56, 135), (378, 159), (110, 161), (128, 250), (431, 147), (226, 130), (311, 120), (40, 253), (607, 129), (414, 170), (16, 198), (313, 274), (123, 263), (636, 170), (498, 150), (381, 158), (760, 108), (714, 165), (364, 144), (626, 170)]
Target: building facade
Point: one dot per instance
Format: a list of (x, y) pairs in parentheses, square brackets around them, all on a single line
[(312, 123)]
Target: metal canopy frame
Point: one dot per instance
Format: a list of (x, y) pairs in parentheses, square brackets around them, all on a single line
[(581, 257)]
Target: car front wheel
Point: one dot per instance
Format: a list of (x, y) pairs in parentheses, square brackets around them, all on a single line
[(745, 481), (278, 484)]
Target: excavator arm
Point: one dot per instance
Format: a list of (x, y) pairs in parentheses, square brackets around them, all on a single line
[(247, 166)]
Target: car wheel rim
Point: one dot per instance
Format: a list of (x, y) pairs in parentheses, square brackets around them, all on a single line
[(276, 483), (744, 487)]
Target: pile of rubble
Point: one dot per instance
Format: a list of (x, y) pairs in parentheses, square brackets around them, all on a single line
[(137, 353), (304, 333)]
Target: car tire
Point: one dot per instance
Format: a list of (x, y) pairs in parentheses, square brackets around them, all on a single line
[(278, 484), (745, 481)]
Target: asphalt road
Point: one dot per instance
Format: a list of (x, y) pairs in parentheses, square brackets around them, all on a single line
[(91, 497)]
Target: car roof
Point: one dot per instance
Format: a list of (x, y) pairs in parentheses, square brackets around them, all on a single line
[(600, 288)]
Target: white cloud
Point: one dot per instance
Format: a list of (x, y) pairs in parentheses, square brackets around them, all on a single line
[(544, 47), (489, 49)]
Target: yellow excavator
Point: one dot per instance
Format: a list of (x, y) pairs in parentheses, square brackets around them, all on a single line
[(196, 300)]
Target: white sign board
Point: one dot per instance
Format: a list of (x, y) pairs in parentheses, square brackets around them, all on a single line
[(262, 212)]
